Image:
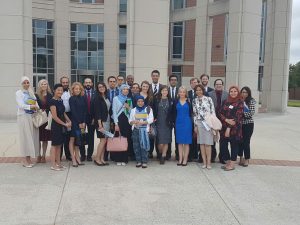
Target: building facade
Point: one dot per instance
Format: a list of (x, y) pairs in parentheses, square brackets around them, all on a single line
[(244, 42)]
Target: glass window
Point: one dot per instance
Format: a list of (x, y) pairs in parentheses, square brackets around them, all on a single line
[(87, 1), (87, 50), (123, 6), (122, 49), (263, 32), (178, 4), (43, 51), (177, 40)]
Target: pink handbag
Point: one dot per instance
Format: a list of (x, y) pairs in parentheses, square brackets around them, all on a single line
[(117, 144)]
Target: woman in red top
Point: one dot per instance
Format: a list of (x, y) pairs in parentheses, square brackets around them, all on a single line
[(231, 115)]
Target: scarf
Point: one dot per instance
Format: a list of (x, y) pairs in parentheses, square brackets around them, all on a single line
[(140, 109), (122, 98), (233, 100)]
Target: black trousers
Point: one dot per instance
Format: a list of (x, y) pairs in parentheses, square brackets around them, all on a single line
[(90, 142), (234, 148), (153, 144), (244, 147), (65, 145)]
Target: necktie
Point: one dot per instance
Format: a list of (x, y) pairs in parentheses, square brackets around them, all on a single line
[(89, 101), (112, 95), (173, 94), (155, 89)]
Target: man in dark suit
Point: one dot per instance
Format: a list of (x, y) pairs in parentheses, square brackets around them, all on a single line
[(112, 90), (155, 87), (194, 148), (172, 94), (89, 95), (218, 96)]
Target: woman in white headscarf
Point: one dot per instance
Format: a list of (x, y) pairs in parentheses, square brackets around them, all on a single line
[(28, 134)]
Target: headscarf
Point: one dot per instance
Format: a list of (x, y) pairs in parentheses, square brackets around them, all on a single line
[(238, 97), (140, 109), (122, 98), (30, 91)]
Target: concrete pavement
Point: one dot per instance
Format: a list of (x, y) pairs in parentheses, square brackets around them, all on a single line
[(91, 195)]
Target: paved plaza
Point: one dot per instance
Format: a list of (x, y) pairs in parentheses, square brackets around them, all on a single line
[(268, 193)]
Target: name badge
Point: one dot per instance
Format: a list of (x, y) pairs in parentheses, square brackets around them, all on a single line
[(230, 107)]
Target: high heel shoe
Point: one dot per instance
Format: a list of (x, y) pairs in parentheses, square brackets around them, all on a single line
[(75, 165), (79, 164), (179, 163), (184, 164), (99, 164)]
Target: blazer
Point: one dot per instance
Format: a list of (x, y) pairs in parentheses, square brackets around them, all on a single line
[(78, 109), (109, 91), (209, 89), (169, 116), (213, 96), (169, 93), (100, 109), (159, 88), (191, 96)]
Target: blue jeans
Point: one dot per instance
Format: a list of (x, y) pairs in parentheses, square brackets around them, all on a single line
[(141, 155)]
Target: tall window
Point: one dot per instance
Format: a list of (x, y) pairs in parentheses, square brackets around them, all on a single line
[(43, 51), (87, 50), (178, 4), (123, 6), (177, 40), (87, 1), (263, 32), (122, 50)]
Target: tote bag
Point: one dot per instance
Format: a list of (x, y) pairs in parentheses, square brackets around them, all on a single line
[(48, 127), (39, 118), (117, 144)]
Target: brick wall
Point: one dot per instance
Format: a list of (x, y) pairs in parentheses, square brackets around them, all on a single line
[(218, 31), (218, 71), (99, 1), (189, 40), (191, 3), (188, 70)]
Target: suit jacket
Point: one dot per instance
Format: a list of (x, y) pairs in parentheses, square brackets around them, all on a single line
[(209, 89), (109, 91), (159, 87), (90, 114), (191, 96), (176, 93), (213, 96)]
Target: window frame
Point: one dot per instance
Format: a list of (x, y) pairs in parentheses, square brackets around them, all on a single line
[(183, 5), (172, 40)]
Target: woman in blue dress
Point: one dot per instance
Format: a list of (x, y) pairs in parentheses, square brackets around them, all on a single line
[(182, 116)]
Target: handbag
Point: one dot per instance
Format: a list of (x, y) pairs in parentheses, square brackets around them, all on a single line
[(39, 118), (48, 127), (81, 138), (213, 122), (117, 144)]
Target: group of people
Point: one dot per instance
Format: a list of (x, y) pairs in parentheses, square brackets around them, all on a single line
[(146, 115)]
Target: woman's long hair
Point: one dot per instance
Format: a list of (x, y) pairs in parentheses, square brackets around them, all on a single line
[(149, 92), (159, 95), (39, 89), (249, 97), (98, 92), (80, 86)]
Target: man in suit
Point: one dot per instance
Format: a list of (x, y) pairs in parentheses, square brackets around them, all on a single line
[(112, 90), (218, 96), (172, 94), (65, 97), (204, 78), (154, 89), (194, 148), (89, 95), (130, 80)]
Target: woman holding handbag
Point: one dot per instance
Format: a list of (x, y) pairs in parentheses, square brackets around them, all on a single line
[(162, 110), (43, 96), (231, 115), (60, 124), (28, 134), (78, 108), (140, 118), (121, 111), (102, 121), (203, 105)]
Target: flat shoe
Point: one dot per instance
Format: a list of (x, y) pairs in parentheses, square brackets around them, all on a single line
[(208, 167), (138, 165), (204, 166), (55, 169), (228, 169), (98, 164), (27, 166)]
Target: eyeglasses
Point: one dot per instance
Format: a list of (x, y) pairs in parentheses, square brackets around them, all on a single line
[(244, 92), (26, 82)]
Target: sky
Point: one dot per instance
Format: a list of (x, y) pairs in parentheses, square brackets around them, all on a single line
[(295, 38)]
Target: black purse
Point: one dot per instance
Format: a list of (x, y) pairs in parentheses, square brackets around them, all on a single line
[(81, 139)]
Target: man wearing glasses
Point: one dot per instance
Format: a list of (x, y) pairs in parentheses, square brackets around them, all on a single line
[(219, 95)]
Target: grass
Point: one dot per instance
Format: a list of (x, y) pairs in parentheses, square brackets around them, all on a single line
[(294, 103)]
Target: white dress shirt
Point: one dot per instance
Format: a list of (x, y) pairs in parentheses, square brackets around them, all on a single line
[(65, 97)]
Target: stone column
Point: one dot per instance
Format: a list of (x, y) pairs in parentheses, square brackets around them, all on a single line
[(111, 38), (243, 44), (148, 38), (277, 48), (16, 52)]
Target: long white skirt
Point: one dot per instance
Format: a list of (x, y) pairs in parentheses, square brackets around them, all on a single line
[(28, 136)]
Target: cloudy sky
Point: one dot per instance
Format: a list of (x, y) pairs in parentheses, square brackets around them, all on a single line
[(295, 42)]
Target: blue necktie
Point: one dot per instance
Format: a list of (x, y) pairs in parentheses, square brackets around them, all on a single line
[(112, 95)]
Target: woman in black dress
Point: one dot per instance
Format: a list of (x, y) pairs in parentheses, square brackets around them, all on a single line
[(43, 96), (60, 124), (78, 107), (102, 121)]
